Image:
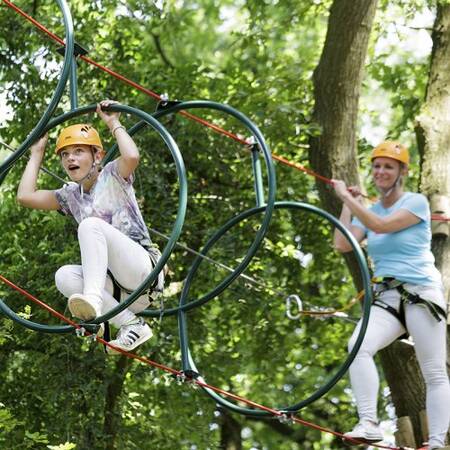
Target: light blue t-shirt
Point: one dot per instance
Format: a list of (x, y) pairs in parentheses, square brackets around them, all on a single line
[(406, 254)]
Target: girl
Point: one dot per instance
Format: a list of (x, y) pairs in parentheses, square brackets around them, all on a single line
[(112, 234), (408, 293)]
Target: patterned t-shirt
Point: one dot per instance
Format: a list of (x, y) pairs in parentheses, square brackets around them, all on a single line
[(112, 198)]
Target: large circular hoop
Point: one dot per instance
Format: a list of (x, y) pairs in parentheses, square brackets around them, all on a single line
[(188, 363), (65, 72), (268, 209), (176, 229)]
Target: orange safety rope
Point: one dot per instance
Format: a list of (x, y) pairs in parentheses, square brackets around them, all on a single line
[(331, 312), (274, 412)]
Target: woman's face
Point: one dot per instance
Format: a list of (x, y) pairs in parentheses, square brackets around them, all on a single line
[(77, 160), (385, 172)]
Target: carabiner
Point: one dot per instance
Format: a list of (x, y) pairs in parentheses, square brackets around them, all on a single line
[(293, 298)]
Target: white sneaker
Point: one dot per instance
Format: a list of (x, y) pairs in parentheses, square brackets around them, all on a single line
[(130, 336), (84, 307), (365, 431)]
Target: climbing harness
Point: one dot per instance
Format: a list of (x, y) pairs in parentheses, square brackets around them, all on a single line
[(383, 284)]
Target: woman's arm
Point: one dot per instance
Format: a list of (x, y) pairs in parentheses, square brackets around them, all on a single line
[(129, 153), (396, 221), (341, 243), (27, 195)]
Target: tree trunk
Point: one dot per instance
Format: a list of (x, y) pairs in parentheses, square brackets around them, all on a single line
[(433, 134), (230, 435), (337, 82), (113, 391), (405, 381)]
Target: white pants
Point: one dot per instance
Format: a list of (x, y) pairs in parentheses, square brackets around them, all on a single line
[(429, 337), (104, 247)]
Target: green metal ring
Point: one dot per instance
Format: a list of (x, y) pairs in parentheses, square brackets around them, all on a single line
[(187, 360), (176, 229), (271, 180), (38, 130)]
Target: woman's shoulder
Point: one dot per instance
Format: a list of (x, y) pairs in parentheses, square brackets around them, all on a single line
[(415, 197)]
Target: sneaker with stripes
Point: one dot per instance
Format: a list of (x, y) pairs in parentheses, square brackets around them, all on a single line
[(130, 336)]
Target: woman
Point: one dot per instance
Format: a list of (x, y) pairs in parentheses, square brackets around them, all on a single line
[(112, 234), (408, 293)]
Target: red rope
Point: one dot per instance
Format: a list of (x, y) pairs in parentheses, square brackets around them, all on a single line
[(435, 217), (150, 362)]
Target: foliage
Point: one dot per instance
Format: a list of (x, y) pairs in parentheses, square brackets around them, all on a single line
[(259, 58)]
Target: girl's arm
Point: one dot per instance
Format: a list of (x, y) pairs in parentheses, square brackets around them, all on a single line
[(129, 153), (27, 194), (396, 221)]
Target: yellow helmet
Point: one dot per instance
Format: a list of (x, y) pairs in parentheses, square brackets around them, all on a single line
[(391, 149), (78, 134)]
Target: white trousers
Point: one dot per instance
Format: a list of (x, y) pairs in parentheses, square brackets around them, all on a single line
[(429, 337), (104, 247)]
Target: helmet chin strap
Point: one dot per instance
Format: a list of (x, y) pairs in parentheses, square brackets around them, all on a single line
[(89, 175), (392, 188)]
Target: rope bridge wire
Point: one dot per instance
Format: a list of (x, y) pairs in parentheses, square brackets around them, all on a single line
[(281, 415), (158, 97)]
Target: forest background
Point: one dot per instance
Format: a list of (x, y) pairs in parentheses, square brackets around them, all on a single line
[(324, 81)]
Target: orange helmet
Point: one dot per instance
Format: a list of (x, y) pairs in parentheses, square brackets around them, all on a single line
[(391, 149), (78, 134)]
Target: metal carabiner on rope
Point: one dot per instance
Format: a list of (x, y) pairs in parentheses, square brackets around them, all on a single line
[(294, 298)]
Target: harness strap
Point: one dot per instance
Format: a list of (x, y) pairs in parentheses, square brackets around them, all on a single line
[(399, 315), (436, 311), (388, 283), (154, 290)]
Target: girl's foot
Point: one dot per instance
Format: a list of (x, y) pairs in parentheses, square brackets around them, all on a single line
[(84, 307)]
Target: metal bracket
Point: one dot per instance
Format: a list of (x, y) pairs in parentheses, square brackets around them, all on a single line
[(186, 376), (253, 145), (286, 418), (165, 103), (78, 50), (80, 332)]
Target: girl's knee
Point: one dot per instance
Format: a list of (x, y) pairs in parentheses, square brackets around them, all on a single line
[(60, 276), (69, 280), (89, 223)]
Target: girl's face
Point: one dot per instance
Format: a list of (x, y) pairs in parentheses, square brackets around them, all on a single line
[(385, 172), (77, 160)]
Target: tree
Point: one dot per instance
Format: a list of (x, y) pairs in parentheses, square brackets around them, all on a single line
[(334, 153), (247, 54)]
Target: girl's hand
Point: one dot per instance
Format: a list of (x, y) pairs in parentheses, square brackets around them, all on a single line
[(111, 119), (38, 148)]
